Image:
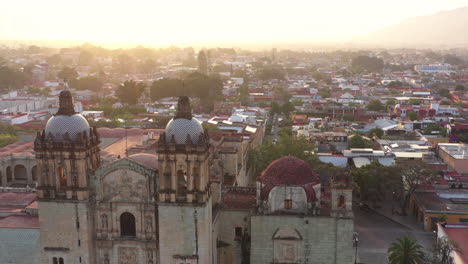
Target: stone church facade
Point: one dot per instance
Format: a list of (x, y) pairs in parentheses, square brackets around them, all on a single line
[(174, 208)]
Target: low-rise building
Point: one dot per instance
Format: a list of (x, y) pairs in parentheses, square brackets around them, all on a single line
[(455, 155)]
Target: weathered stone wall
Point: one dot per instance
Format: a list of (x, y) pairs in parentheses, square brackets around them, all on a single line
[(278, 194), (19, 246), (185, 230), (61, 236), (225, 226), (326, 240)]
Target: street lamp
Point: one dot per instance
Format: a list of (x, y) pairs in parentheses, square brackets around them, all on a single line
[(355, 242)]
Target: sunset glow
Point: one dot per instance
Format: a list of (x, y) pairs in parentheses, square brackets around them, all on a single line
[(188, 22)]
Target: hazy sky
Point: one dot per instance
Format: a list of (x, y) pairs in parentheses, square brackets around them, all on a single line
[(163, 22)]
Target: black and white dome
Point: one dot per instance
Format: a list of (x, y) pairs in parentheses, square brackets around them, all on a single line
[(66, 121), (59, 125), (183, 126), (180, 128)]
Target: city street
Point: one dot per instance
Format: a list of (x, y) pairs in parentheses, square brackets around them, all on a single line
[(376, 233)]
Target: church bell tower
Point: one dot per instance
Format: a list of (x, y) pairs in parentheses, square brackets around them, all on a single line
[(184, 191), (66, 152)]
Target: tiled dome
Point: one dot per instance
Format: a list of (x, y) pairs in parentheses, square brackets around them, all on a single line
[(60, 124), (289, 171), (66, 120), (182, 127)]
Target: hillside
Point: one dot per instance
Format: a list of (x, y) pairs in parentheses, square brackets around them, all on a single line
[(447, 28)]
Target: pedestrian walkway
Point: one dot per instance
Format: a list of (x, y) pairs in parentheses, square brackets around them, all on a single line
[(392, 210)]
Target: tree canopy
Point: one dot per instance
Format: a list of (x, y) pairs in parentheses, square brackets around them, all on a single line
[(375, 105), (413, 116), (11, 78), (260, 157), (92, 83), (406, 251), (130, 91), (357, 141), (371, 64), (67, 73), (207, 88)]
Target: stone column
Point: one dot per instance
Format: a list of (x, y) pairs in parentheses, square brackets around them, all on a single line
[(189, 181), (4, 178), (173, 180)]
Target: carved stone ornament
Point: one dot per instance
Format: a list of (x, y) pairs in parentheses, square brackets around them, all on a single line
[(127, 255)]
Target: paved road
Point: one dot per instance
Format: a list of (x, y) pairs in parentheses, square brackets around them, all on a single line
[(376, 233)]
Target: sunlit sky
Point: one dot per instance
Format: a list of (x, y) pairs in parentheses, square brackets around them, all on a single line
[(165, 22)]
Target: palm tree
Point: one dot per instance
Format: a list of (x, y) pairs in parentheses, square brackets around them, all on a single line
[(405, 251)]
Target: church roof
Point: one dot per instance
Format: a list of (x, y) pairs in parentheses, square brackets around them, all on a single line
[(145, 159), (289, 170), (239, 198)]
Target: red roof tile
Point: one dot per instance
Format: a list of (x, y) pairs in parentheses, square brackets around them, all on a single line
[(16, 199), (243, 198), (20, 221)]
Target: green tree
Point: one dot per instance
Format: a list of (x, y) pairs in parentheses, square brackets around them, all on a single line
[(395, 84), (167, 87), (146, 66), (67, 73), (259, 158), (11, 78), (371, 64), (297, 102), (413, 116), (91, 83), (202, 62), (85, 58), (460, 88), (414, 102), (287, 108), (275, 107), (271, 73), (130, 91), (357, 141), (390, 103), (375, 180), (375, 132), (415, 173), (375, 105), (406, 251), (444, 92), (324, 93)]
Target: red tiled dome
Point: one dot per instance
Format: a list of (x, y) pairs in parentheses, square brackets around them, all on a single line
[(291, 171)]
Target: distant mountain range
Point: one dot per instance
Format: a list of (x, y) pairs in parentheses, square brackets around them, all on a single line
[(447, 28)]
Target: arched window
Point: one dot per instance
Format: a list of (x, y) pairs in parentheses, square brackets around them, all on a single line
[(181, 184), (196, 178), (62, 177), (54, 261), (127, 225), (167, 177), (341, 202), (34, 173), (9, 174), (21, 173)]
